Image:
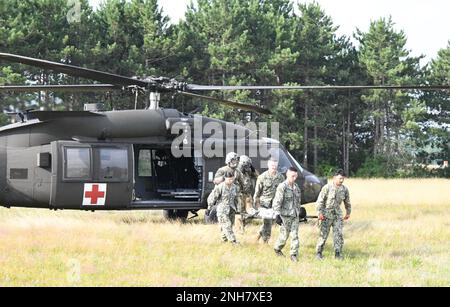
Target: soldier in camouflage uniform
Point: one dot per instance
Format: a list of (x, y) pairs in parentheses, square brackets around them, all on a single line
[(225, 197), (232, 162), (330, 215), (286, 205), (249, 177), (265, 189)]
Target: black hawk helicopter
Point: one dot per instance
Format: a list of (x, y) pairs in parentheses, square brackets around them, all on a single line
[(122, 160)]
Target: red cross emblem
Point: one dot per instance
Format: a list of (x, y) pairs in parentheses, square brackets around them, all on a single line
[(94, 194)]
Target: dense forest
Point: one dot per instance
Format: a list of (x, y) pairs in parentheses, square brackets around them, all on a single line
[(382, 133)]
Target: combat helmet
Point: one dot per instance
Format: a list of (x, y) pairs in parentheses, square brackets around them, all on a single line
[(230, 157), (245, 162)]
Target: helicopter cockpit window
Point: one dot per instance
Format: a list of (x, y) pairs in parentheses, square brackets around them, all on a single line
[(297, 165), (113, 164), (145, 163), (283, 162), (78, 163)]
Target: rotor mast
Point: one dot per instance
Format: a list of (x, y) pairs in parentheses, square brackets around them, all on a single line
[(154, 98)]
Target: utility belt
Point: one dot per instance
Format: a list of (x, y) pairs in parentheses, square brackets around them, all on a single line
[(266, 206)]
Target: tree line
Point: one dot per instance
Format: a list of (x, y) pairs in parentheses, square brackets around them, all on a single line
[(370, 133)]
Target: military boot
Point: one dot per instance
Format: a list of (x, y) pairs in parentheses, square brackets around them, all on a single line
[(319, 256), (294, 258), (279, 253), (338, 255)]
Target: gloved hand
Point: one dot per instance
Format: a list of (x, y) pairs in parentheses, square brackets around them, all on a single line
[(321, 217), (278, 220), (207, 212)]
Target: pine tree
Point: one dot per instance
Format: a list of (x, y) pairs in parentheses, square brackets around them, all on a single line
[(382, 53), (438, 103)]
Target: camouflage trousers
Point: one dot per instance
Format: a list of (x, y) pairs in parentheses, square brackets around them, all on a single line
[(226, 222), (266, 228), (245, 203), (289, 228), (338, 238)]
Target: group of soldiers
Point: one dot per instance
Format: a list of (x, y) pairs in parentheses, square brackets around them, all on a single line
[(240, 189)]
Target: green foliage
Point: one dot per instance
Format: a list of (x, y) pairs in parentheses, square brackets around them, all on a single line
[(381, 167), (419, 171), (375, 167), (387, 62), (326, 169), (438, 102), (236, 42)]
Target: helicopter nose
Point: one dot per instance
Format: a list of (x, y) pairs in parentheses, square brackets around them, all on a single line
[(313, 185)]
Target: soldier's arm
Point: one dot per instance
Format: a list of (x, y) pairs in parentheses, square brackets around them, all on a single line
[(320, 204), (278, 199), (348, 205), (254, 173), (219, 176), (258, 191), (299, 204), (281, 178), (237, 200), (240, 180), (214, 197)]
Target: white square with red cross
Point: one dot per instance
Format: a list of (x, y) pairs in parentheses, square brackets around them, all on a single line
[(94, 194)]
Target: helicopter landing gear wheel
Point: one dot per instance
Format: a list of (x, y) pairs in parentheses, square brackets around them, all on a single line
[(175, 215)]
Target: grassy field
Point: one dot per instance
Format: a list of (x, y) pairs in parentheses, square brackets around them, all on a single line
[(399, 235)]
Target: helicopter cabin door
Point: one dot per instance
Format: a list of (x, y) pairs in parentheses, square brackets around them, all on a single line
[(165, 182), (91, 176)]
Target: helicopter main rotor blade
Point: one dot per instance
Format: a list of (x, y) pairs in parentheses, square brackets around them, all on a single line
[(59, 88), (195, 87), (229, 103), (74, 70)]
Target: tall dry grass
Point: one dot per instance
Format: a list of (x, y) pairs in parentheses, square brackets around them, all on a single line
[(398, 235)]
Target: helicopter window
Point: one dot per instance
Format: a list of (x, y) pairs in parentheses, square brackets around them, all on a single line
[(78, 163), (299, 167), (283, 163), (18, 173), (113, 164), (145, 163)]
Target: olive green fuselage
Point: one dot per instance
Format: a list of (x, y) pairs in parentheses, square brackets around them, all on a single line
[(119, 160)]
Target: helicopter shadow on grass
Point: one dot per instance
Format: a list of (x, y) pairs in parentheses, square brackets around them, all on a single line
[(158, 219)]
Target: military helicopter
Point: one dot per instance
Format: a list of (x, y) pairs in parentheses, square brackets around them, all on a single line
[(123, 160)]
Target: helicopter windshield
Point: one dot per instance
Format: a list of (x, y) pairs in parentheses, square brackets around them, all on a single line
[(297, 165)]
